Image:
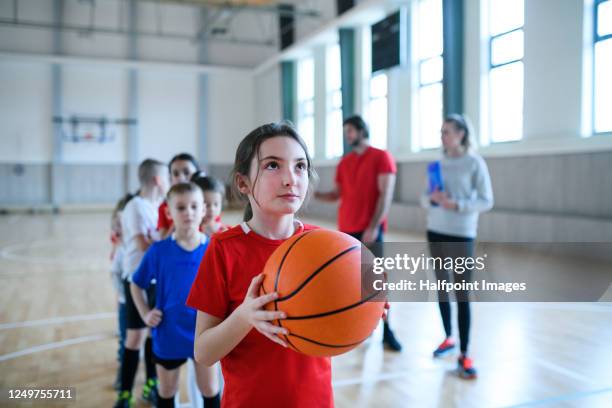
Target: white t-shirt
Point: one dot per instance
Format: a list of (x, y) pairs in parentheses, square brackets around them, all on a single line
[(139, 217), (117, 272)]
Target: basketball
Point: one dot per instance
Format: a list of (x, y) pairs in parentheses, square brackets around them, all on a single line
[(317, 275)]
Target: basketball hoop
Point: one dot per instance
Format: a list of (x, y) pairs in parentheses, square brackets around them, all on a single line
[(90, 129)]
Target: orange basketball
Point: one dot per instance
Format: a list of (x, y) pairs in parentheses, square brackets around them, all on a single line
[(317, 275)]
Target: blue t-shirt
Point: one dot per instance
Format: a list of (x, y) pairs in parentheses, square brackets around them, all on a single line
[(174, 269)]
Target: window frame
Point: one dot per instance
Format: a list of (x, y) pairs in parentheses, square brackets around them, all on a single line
[(417, 139), (301, 103), (596, 39), (492, 67), (330, 109), (372, 98)]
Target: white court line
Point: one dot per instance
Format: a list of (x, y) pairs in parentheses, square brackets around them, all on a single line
[(563, 371), (56, 345), (374, 378), (56, 320), (562, 398), (8, 252)]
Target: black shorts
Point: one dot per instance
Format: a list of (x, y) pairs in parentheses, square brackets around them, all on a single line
[(134, 321), (169, 364)]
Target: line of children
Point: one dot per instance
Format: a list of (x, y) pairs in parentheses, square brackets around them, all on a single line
[(273, 171), (116, 256), (173, 263), (138, 225)]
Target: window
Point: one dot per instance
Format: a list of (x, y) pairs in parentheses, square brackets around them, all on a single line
[(602, 65), (377, 110), (305, 102), (428, 55), (506, 49), (333, 139)]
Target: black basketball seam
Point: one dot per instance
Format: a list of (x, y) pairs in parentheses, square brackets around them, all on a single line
[(279, 324), (315, 273), (327, 345), (276, 279), (331, 312)]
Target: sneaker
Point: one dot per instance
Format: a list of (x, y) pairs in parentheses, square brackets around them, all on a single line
[(389, 340), (124, 400), (447, 345), (149, 391), (465, 368)]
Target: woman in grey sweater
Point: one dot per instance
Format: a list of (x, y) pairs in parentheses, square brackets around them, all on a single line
[(452, 220)]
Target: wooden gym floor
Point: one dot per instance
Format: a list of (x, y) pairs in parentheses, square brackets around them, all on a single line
[(58, 325)]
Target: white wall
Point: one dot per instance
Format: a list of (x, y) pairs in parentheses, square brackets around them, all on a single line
[(553, 68), (168, 110), (25, 112), (167, 114), (267, 97), (231, 100), (95, 91)]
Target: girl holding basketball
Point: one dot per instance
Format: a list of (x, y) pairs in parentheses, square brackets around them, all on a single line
[(273, 172), (452, 221)]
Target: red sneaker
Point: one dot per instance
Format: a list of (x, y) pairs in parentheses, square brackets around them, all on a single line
[(466, 368), (447, 345)]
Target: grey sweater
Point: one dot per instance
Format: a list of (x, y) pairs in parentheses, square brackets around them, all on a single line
[(466, 180)]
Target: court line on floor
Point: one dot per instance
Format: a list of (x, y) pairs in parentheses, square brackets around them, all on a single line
[(373, 379), (562, 398), (56, 320), (55, 345), (8, 252), (561, 370)]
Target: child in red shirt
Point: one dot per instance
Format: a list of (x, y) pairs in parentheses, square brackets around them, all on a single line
[(182, 167), (273, 170), (214, 192)]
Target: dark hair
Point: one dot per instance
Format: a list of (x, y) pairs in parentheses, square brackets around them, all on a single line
[(249, 149), (122, 203), (208, 183), (184, 157), (461, 123), (182, 188), (358, 123), (148, 169)]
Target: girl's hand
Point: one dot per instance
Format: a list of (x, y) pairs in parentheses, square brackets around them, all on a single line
[(251, 312), (369, 235), (449, 204), (438, 196), (153, 318), (385, 310), (442, 199)]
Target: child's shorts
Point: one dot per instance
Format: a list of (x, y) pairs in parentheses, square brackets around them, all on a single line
[(134, 321), (169, 364)]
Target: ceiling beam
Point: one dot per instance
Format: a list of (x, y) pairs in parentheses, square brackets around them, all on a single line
[(297, 13), (88, 30)]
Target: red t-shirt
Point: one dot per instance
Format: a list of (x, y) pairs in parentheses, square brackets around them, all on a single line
[(257, 372), (357, 178), (163, 221)]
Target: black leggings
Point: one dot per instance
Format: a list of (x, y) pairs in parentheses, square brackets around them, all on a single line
[(442, 245)]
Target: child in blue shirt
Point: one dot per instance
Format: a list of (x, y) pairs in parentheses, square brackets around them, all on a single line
[(174, 263)]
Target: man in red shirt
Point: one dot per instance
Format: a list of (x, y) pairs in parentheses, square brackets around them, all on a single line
[(364, 183)]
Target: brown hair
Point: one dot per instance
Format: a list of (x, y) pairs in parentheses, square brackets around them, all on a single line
[(249, 149), (148, 169), (208, 183), (461, 123), (182, 188)]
